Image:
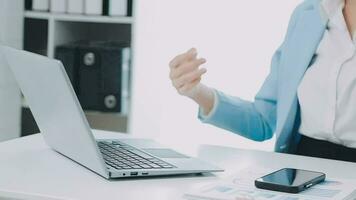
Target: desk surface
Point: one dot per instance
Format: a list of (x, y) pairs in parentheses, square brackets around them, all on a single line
[(29, 166)]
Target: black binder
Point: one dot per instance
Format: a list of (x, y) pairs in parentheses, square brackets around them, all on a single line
[(28, 4), (67, 54), (96, 71), (129, 7)]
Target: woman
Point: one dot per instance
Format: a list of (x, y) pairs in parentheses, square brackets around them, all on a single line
[(309, 98)]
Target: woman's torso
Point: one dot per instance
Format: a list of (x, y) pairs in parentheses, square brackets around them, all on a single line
[(327, 92)]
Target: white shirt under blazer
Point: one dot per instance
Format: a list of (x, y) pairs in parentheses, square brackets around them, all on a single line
[(327, 93)]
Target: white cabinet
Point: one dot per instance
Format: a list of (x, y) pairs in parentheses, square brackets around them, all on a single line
[(43, 31)]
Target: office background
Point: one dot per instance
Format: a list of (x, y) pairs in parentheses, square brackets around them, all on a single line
[(232, 35)]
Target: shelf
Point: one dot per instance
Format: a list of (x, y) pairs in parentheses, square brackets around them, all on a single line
[(44, 31), (96, 119), (24, 104), (78, 18), (106, 114), (107, 121)]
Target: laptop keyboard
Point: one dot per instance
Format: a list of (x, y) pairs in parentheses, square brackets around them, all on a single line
[(123, 157)]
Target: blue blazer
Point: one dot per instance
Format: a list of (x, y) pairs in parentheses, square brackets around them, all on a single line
[(276, 108)]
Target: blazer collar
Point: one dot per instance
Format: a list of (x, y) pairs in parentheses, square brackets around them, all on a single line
[(302, 45)]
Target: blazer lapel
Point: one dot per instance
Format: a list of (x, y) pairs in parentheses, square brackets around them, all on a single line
[(299, 51)]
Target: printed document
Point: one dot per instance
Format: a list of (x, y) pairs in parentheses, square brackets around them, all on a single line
[(241, 187)]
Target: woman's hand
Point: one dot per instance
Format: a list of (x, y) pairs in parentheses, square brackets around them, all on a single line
[(186, 74)]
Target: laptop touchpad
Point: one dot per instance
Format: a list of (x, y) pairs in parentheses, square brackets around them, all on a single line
[(165, 153)]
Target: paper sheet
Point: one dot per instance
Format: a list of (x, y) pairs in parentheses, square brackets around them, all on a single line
[(241, 187)]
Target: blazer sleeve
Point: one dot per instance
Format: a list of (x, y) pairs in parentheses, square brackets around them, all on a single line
[(254, 120)]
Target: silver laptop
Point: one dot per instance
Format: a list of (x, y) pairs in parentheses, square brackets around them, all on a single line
[(56, 109)]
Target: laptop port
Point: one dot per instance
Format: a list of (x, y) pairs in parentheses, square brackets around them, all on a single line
[(144, 173), (134, 173)]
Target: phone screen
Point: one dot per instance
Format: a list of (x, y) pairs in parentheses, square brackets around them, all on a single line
[(290, 177)]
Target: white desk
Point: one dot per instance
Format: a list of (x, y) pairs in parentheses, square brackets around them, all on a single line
[(28, 165)]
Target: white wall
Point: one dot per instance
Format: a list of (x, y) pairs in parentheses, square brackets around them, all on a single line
[(237, 38), (11, 24)]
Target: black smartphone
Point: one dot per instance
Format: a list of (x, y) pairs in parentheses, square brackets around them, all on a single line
[(290, 180)]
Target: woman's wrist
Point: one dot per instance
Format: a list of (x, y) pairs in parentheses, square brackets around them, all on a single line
[(204, 97)]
